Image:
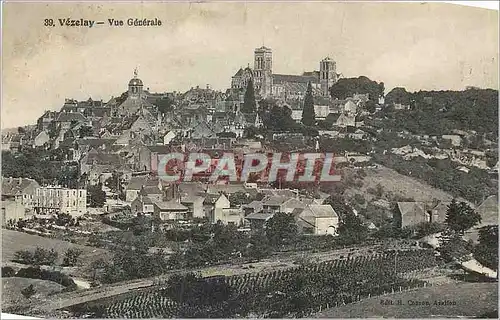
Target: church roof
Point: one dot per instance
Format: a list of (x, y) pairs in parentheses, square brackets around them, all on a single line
[(239, 73), (135, 82), (283, 78)]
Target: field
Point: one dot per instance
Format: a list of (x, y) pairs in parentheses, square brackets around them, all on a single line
[(295, 291), (472, 300), (11, 290), (13, 241), (401, 185)]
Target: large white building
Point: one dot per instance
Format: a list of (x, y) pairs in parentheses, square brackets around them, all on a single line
[(55, 199)]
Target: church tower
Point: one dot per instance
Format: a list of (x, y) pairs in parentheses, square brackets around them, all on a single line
[(327, 75), (135, 86), (263, 71)]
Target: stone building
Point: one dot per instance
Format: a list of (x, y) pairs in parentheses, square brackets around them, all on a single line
[(284, 86), (55, 200)]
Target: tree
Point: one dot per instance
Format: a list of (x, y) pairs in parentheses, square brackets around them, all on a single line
[(97, 196), (63, 219), (452, 246), (29, 291), (21, 130), (347, 87), (281, 229), (8, 272), (308, 115), (351, 229), (164, 104), (486, 252), (427, 228), (259, 247), (461, 217), (113, 183), (85, 131), (371, 106), (71, 256), (239, 198), (249, 104)]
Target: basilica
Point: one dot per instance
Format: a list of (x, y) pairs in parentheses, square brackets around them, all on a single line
[(284, 86)]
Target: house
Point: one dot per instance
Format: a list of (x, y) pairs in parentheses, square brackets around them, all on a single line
[(12, 211), (438, 211), (136, 184), (318, 220), (168, 137), (274, 204), (252, 207), (148, 157), (455, 140), (488, 210), (170, 210), (142, 205), (164, 210), (194, 205), (258, 220), (21, 190), (231, 188), (412, 213), (41, 139), (214, 206)]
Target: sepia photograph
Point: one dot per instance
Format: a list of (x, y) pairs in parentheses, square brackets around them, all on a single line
[(231, 159)]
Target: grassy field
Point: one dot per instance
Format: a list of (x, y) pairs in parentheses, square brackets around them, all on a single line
[(401, 185), (11, 291), (13, 241), (471, 300)]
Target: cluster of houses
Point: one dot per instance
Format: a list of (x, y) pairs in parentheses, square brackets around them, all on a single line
[(219, 203)]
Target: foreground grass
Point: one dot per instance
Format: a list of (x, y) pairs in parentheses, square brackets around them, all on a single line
[(12, 296), (13, 241), (471, 300)]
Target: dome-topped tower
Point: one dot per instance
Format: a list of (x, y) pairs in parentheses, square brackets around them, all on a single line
[(135, 85)]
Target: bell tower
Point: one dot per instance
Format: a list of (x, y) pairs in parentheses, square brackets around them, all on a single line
[(327, 75), (135, 86), (263, 71)]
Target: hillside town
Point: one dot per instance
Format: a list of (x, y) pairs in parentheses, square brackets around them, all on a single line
[(87, 175)]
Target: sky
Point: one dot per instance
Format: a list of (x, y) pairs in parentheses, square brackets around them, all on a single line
[(417, 46)]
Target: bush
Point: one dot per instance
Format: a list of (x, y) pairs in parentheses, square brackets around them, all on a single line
[(71, 256), (40, 256), (8, 272), (56, 276), (28, 291)]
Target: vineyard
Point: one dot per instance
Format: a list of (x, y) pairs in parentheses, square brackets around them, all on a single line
[(297, 291)]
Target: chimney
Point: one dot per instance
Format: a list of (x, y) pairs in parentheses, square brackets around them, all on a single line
[(11, 179), (20, 181)]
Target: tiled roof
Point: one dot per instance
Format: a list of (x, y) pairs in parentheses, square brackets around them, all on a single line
[(259, 216), (102, 158), (96, 142), (321, 211), (283, 78), (136, 183), (171, 205), (13, 186), (70, 116), (274, 200)]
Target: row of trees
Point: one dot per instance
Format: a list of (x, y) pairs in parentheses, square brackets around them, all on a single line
[(41, 256)]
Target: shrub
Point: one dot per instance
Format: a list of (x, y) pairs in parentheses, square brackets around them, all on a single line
[(56, 276), (8, 272), (29, 291)]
